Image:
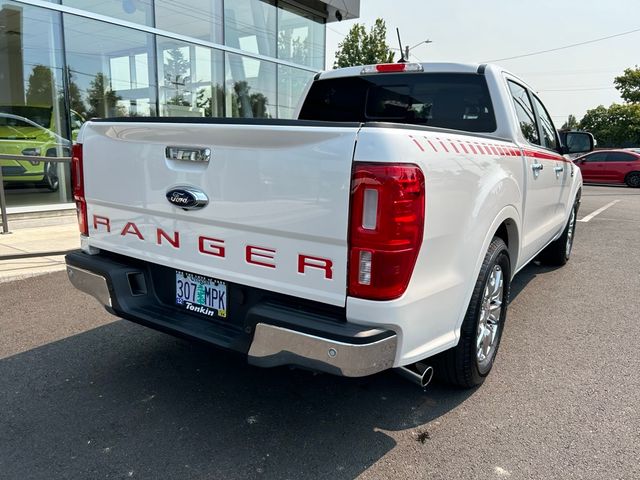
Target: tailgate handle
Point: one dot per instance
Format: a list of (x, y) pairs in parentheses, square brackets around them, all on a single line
[(189, 154)]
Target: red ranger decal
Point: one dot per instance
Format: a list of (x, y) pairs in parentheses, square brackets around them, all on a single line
[(211, 246), (254, 255), (175, 241), (98, 220), (265, 253), (315, 262), (131, 228)]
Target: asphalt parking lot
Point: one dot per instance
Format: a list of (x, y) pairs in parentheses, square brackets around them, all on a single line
[(84, 395)]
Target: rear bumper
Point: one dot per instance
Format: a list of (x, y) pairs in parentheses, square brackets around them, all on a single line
[(272, 330)]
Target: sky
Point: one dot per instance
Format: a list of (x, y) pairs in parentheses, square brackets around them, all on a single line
[(569, 81)]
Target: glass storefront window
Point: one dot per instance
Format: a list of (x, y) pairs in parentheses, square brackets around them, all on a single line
[(136, 11), (32, 113), (196, 18), (300, 37), (191, 79), (250, 87), (111, 69), (250, 25), (291, 86)]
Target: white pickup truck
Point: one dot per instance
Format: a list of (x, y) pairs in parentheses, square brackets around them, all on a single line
[(380, 229)]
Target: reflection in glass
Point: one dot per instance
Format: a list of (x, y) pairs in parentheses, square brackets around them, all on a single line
[(549, 138), (250, 87), (32, 119), (109, 69), (524, 111), (196, 18), (300, 37), (250, 25), (291, 86), (190, 78), (136, 11)]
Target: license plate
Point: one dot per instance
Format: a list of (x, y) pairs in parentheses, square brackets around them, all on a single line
[(201, 294)]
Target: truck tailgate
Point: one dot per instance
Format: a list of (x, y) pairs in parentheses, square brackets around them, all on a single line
[(278, 201)]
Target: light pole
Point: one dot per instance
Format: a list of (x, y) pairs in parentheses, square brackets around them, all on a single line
[(407, 49)]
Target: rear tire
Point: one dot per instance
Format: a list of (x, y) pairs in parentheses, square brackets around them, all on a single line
[(468, 363), (558, 252), (633, 180)]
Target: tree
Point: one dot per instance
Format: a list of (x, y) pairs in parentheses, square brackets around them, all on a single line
[(246, 104), (571, 123), (40, 86), (628, 84), (616, 126), (75, 95), (102, 99), (362, 48), (176, 69)]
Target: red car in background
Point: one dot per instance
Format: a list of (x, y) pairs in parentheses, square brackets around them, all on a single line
[(610, 166)]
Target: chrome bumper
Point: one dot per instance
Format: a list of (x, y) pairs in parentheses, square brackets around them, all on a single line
[(88, 282), (274, 346)]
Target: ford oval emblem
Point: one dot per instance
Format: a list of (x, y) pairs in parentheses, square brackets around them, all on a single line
[(187, 198)]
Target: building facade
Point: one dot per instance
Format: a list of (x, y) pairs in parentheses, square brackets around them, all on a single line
[(65, 61)]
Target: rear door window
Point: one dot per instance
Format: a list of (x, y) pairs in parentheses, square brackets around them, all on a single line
[(524, 112), (458, 101), (548, 131), (620, 157)]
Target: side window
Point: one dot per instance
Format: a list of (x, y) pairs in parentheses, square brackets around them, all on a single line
[(620, 157), (524, 111), (596, 157), (549, 136)]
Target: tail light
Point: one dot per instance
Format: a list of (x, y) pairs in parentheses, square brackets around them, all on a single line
[(77, 180), (385, 230)]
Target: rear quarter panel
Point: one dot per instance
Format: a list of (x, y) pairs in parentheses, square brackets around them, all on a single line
[(472, 185)]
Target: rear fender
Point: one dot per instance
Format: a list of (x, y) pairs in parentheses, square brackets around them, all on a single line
[(509, 215)]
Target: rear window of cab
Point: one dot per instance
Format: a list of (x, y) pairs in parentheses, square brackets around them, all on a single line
[(458, 101)]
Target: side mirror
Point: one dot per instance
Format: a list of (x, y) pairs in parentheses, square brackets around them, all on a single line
[(577, 142)]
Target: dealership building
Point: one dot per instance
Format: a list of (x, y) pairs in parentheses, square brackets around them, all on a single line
[(65, 61)]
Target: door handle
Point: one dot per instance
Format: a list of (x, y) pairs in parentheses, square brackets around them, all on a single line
[(189, 154), (558, 169), (536, 167)]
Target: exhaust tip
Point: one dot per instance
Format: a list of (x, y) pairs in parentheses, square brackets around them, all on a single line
[(418, 373)]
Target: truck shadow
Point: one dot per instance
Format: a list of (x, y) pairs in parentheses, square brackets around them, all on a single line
[(526, 275), (121, 400)]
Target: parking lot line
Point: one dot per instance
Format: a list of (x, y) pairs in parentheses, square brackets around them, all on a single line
[(598, 211)]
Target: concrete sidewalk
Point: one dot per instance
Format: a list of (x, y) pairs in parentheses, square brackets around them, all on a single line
[(25, 252)]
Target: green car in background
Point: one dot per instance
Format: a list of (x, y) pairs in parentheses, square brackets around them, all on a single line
[(29, 130)]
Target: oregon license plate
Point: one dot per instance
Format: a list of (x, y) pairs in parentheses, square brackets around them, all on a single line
[(201, 294)]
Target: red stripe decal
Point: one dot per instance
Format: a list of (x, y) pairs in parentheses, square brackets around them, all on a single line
[(480, 149), (545, 156), (473, 150), (417, 143), (432, 145), (443, 145), (463, 147), (454, 146)]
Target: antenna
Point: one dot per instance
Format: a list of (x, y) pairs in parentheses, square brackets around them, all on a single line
[(402, 59)]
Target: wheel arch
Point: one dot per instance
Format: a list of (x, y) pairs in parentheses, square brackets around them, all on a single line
[(508, 231), (506, 223)]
